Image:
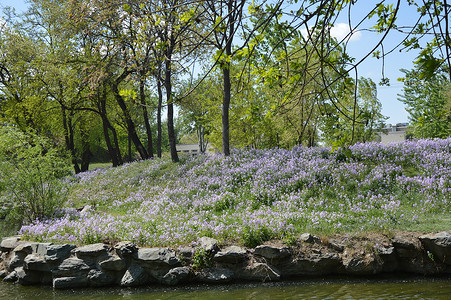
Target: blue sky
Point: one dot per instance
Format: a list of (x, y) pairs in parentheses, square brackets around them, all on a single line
[(361, 44)]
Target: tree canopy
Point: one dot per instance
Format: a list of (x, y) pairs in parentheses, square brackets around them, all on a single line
[(96, 76)]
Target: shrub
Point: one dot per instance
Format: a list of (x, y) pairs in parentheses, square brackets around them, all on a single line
[(31, 168), (252, 237), (201, 259)]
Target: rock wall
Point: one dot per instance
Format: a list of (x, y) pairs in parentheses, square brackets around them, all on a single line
[(124, 264)]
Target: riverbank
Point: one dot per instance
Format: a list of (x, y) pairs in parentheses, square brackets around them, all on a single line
[(124, 264)]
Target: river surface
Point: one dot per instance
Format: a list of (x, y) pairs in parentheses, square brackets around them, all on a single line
[(388, 288)]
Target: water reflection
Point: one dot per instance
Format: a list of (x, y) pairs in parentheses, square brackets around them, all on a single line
[(412, 288)]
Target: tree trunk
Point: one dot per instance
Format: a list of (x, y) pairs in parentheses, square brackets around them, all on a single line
[(85, 158), (69, 139), (225, 110), (160, 103), (227, 85), (128, 120), (145, 115), (201, 135), (171, 131), (113, 151)]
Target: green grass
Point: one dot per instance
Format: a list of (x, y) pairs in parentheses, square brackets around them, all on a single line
[(99, 166), (431, 223)]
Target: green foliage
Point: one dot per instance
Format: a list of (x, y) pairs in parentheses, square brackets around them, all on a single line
[(201, 259), (252, 237), (428, 102), (31, 171)]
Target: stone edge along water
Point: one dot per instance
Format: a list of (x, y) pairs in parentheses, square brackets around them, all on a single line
[(124, 264)]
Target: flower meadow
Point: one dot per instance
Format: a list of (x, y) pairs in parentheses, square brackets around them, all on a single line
[(256, 195)]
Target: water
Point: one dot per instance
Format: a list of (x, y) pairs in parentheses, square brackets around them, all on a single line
[(389, 288)]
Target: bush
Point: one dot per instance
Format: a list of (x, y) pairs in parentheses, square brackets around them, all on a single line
[(253, 237), (31, 169)]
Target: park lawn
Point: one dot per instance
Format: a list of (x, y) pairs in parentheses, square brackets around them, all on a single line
[(256, 195)]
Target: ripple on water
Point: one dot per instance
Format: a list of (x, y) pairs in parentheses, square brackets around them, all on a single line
[(413, 288)]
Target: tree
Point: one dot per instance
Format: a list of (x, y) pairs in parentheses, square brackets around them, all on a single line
[(428, 102), (337, 130), (108, 25)]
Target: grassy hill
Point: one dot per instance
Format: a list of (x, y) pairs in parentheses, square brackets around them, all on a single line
[(256, 195)]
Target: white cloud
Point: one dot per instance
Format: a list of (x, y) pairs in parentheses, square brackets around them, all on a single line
[(342, 31)]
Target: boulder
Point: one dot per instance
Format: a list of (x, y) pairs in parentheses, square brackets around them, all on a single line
[(272, 252), (412, 258), (99, 278), (157, 257), (24, 248), (57, 253), (16, 261), (3, 273), (36, 263), (209, 244), (70, 282), (28, 277), (313, 264), (91, 251), (134, 276), (361, 264), (71, 267), (439, 245), (11, 277), (216, 275), (232, 254), (113, 263), (260, 272), (40, 248), (125, 249), (388, 258), (176, 275), (308, 238), (9, 243), (186, 253), (406, 247)]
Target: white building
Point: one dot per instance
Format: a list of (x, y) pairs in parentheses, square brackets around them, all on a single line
[(393, 133), (193, 149)]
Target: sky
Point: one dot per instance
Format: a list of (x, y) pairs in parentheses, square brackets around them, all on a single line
[(363, 42), (360, 44)]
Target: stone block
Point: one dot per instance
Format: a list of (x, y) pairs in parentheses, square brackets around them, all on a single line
[(36, 263), (232, 254), (439, 244), (113, 263), (155, 257), (272, 252), (134, 276), (56, 253), (176, 275), (70, 282)]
